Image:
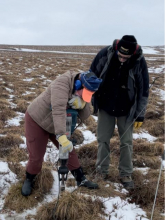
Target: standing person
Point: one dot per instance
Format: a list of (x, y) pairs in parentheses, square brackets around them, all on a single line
[(45, 119), (122, 99)]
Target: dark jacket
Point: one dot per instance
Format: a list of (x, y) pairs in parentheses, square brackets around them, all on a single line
[(138, 80)]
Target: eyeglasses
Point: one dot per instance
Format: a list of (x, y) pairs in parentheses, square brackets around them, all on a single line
[(124, 58)]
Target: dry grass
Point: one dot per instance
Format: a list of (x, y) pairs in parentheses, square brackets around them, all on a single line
[(145, 188), (34, 65), (6, 113), (87, 155), (21, 105), (88, 150), (44, 180), (146, 161), (91, 124), (157, 128), (14, 199), (77, 137), (17, 155), (9, 141), (72, 207), (106, 190), (141, 147), (71, 183), (18, 169)]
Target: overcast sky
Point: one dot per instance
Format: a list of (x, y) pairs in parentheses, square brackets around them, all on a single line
[(81, 22)]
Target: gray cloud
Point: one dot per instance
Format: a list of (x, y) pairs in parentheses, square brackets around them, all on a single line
[(84, 22)]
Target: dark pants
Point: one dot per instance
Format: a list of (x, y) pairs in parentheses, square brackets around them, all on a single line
[(36, 140), (105, 130)]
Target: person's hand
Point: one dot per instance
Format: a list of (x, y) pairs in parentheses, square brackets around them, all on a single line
[(138, 124), (77, 103), (65, 143)]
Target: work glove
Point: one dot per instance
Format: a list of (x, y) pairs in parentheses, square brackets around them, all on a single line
[(77, 103), (65, 143), (138, 124)]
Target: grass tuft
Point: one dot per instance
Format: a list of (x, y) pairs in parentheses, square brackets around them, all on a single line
[(14, 199), (72, 207), (17, 155)]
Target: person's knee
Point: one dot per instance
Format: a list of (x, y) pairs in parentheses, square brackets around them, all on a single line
[(103, 139)]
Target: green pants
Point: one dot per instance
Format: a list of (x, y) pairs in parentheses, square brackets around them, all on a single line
[(105, 130)]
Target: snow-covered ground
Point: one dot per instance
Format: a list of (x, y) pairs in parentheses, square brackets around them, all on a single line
[(123, 209), (116, 208)]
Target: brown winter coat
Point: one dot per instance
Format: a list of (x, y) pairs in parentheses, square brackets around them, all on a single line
[(48, 110)]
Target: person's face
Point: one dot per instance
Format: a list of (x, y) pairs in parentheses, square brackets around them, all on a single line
[(123, 58)]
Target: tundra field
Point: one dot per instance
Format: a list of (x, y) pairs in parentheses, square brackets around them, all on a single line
[(25, 71)]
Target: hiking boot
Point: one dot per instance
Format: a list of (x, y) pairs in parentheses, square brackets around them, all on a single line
[(81, 179), (127, 182), (28, 184), (88, 184)]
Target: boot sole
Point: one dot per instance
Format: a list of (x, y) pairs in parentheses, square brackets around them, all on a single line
[(25, 194)]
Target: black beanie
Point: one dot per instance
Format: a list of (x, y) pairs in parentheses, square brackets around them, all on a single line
[(127, 45)]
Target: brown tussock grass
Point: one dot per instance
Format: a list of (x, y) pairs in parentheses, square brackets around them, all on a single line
[(77, 136), (106, 190), (153, 113), (16, 202), (113, 175), (14, 199), (154, 98), (21, 105), (157, 128), (18, 169), (146, 161), (30, 97), (17, 155), (7, 113), (10, 140), (91, 124), (141, 147), (3, 103), (44, 180), (87, 155), (88, 165), (161, 138), (14, 130), (38, 91), (72, 207), (88, 150), (145, 188), (7, 142), (71, 183)]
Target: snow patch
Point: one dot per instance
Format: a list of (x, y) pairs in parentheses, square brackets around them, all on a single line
[(144, 135), (15, 121), (89, 137), (116, 208)]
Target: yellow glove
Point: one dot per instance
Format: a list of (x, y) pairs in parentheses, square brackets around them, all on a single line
[(65, 143), (77, 103), (138, 124)]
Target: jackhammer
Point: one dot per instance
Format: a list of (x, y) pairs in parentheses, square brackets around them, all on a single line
[(71, 120)]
